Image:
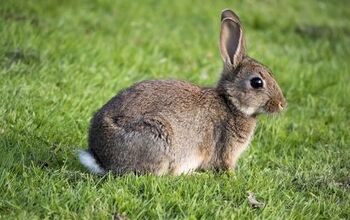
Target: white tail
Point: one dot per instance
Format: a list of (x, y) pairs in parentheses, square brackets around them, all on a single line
[(88, 160)]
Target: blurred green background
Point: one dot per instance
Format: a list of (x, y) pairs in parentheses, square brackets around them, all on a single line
[(61, 60)]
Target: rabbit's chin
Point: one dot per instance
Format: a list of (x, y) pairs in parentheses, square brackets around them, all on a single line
[(248, 110), (253, 111)]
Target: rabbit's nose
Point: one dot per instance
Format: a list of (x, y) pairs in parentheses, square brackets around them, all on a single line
[(282, 105)]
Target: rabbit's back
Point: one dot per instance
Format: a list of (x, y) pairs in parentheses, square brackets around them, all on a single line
[(157, 96)]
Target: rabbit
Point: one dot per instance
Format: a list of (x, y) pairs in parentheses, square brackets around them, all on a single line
[(169, 127)]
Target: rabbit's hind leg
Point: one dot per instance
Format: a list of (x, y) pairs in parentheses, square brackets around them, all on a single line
[(142, 147)]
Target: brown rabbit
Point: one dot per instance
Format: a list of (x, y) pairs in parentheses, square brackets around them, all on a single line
[(174, 127)]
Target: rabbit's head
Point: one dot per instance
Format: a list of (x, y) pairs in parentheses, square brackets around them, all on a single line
[(246, 83)]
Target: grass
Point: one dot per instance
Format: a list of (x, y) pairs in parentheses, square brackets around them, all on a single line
[(61, 60)]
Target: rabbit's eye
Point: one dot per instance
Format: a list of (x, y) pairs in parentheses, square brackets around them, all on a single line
[(256, 82)]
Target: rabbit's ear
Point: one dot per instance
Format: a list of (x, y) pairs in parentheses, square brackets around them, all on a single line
[(227, 13), (231, 39)]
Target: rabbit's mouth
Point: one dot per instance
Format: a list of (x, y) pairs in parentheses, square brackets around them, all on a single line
[(275, 106)]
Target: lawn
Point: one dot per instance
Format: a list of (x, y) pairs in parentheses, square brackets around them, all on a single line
[(60, 61)]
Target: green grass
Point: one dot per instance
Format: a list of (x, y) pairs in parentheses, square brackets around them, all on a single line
[(61, 60)]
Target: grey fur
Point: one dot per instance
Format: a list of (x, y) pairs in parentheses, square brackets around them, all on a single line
[(173, 127)]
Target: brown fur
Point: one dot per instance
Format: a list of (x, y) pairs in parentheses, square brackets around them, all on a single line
[(174, 127)]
